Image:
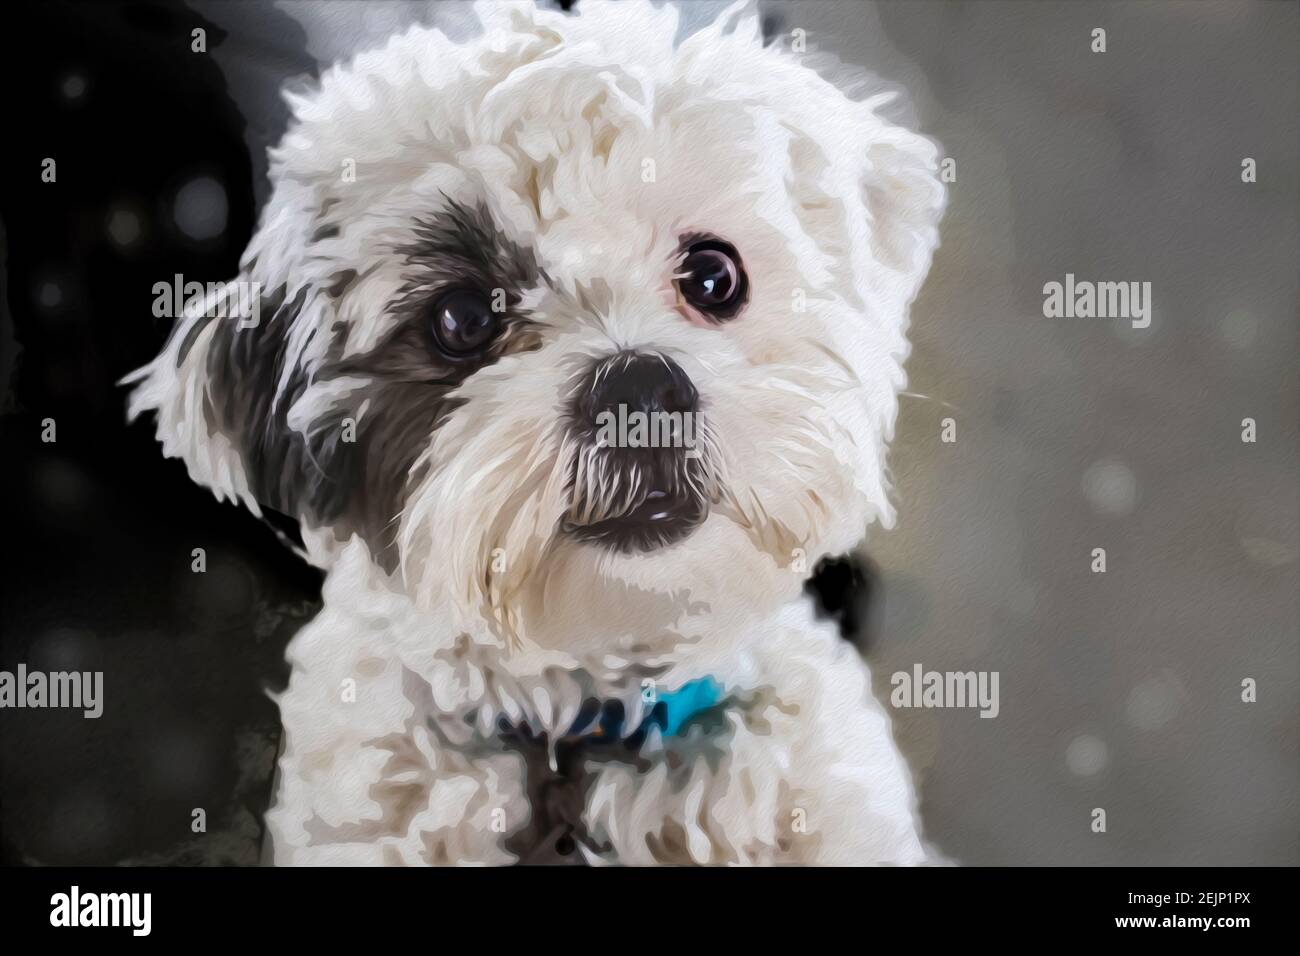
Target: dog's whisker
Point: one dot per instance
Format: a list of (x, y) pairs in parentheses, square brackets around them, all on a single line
[(931, 398)]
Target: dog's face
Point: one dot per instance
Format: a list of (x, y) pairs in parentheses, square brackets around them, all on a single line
[(479, 260)]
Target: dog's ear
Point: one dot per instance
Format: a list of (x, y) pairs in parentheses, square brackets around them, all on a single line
[(875, 181), (223, 389), (904, 200)]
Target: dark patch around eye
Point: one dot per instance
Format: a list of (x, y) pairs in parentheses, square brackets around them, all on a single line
[(361, 486), (461, 248), (462, 242), (320, 477)]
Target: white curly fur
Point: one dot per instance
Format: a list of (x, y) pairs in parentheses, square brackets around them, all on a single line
[(549, 120)]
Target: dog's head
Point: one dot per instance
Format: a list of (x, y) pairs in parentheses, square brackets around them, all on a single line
[(569, 307)]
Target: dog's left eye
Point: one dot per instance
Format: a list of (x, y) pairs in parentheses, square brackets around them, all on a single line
[(712, 280), (464, 323)]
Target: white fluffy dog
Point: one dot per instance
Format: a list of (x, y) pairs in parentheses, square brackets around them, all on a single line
[(537, 643)]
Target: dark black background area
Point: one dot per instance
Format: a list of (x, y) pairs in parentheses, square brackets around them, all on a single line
[(99, 527)]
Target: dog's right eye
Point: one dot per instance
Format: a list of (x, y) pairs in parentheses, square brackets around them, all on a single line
[(464, 323)]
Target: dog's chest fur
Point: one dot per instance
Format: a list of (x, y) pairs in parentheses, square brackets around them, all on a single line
[(559, 725), (558, 779), (561, 767)]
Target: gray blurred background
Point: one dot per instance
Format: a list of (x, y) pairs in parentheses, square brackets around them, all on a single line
[(1119, 691)]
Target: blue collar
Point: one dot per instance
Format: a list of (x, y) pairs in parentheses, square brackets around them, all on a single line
[(670, 712), (676, 708), (605, 722)]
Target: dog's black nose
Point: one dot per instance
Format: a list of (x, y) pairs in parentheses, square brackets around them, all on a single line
[(639, 478), (638, 382)]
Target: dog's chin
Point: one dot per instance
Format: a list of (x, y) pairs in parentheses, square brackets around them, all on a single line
[(660, 520)]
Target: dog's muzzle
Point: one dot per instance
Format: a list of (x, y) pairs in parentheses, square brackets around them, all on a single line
[(641, 478)]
